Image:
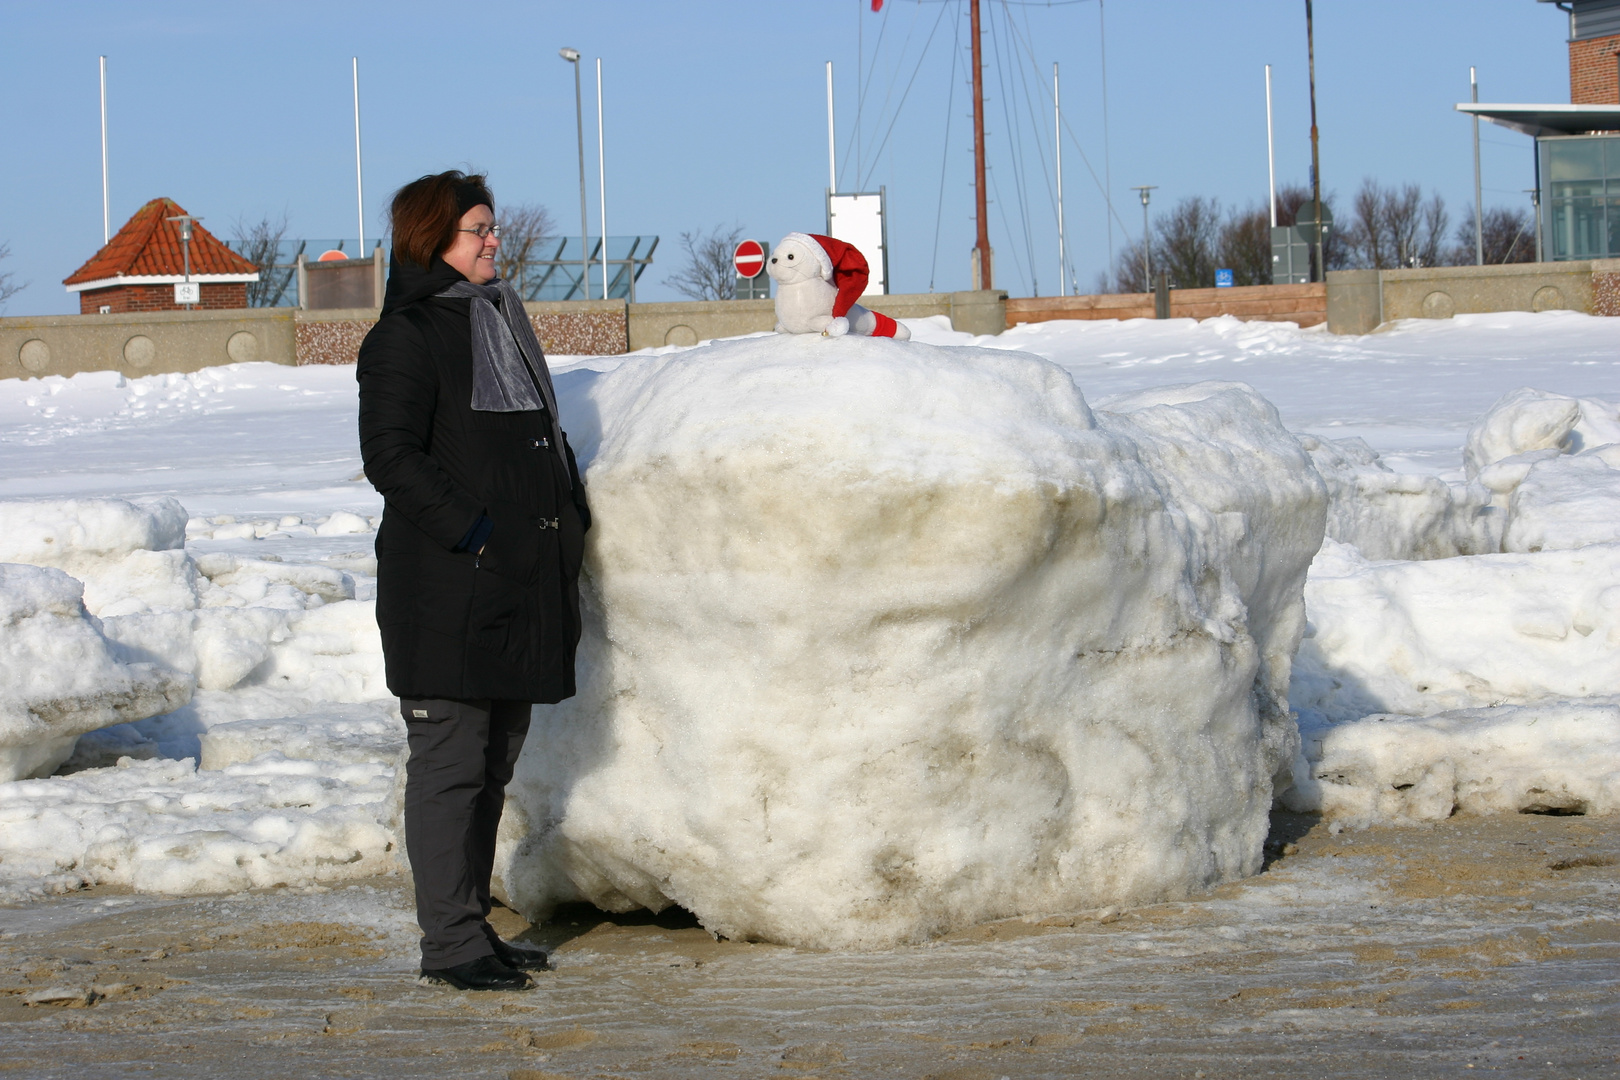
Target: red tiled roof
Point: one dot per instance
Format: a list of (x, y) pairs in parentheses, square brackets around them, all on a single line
[(149, 246)]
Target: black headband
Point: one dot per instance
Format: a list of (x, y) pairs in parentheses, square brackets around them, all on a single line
[(471, 195)]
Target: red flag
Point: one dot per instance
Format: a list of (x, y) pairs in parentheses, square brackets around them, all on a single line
[(877, 5)]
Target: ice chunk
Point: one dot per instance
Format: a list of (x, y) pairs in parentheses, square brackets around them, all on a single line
[(61, 532), (1389, 515), (1560, 757), (59, 677), (1530, 419), (342, 523), (330, 653), (884, 639), (344, 734), (1425, 637), (1565, 502)]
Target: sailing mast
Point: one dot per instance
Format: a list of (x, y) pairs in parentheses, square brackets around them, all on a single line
[(981, 249)]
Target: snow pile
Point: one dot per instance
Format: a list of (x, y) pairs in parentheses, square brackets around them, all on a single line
[(1562, 757), (229, 621), (1425, 637), (1390, 515), (60, 677), (1527, 420), (293, 788), (884, 639), (162, 826)]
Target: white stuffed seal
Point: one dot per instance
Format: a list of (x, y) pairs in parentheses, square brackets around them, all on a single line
[(818, 280)]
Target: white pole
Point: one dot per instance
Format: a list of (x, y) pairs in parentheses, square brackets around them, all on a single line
[(106, 221), (1271, 155), (359, 189), (1479, 211), (601, 175), (832, 154), (1057, 138)]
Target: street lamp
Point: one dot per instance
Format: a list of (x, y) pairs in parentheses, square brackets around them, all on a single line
[(1147, 243), (186, 221), (572, 56)]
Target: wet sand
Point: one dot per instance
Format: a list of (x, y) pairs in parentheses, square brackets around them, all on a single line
[(1481, 945)]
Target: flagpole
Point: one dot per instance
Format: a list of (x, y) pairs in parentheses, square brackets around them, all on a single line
[(601, 175), (106, 220), (359, 188)]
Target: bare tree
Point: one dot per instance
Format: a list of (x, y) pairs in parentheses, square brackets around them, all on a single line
[(1186, 239), (709, 273), (1397, 227), (525, 227), (1192, 240), (8, 286), (260, 244), (1510, 237), (1244, 246)]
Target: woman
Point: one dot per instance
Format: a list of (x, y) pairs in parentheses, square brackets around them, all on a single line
[(478, 554)]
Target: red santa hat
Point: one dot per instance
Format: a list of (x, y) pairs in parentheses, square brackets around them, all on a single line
[(842, 264)]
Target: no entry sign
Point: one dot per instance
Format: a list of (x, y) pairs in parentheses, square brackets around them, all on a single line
[(749, 259)]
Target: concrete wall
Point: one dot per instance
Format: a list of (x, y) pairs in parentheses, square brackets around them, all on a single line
[(144, 343), (1359, 301), (1302, 304), (156, 342)]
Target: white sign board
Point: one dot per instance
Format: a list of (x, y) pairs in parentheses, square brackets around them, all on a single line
[(187, 292), (858, 220)]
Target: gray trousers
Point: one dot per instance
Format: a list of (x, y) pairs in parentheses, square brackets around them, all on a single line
[(462, 756)]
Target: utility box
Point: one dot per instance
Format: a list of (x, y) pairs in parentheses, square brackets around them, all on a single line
[(1290, 256)]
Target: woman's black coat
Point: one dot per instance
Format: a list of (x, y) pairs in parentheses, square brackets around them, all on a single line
[(457, 624)]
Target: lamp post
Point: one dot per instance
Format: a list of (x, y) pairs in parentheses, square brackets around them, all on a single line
[(1316, 161), (186, 221), (1147, 243), (572, 56)]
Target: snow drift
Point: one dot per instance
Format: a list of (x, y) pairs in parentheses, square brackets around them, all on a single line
[(884, 639)]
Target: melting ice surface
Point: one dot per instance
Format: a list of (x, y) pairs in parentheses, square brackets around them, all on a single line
[(1457, 645)]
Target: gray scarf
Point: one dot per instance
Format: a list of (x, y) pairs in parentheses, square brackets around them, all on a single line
[(509, 369)]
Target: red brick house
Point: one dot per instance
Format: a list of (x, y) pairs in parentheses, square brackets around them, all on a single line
[(139, 267)]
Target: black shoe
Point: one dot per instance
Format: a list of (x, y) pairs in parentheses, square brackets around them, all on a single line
[(521, 957), (484, 973)]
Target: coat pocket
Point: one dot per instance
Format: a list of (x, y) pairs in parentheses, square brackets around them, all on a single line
[(513, 548)]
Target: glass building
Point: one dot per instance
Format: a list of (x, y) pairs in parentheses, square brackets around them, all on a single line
[(1580, 196), (1577, 158)]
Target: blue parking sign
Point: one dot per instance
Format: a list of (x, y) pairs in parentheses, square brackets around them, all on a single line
[(1223, 279)]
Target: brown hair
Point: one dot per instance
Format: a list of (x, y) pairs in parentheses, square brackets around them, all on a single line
[(425, 212)]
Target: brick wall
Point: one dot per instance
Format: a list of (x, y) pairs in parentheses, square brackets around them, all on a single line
[(216, 296), (1594, 71)]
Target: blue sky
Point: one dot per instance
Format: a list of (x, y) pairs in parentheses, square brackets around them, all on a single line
[(715, 114)]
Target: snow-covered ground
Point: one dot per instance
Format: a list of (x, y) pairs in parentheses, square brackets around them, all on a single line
[(1513, 659)]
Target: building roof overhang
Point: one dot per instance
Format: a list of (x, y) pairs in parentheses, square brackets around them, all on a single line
[(159, 279), (1540, 120)]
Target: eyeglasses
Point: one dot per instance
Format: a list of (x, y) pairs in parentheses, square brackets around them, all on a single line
[(482, 231)]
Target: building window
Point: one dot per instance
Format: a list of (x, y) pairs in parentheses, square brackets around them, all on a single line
[(1580, 197), (104, 309)]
